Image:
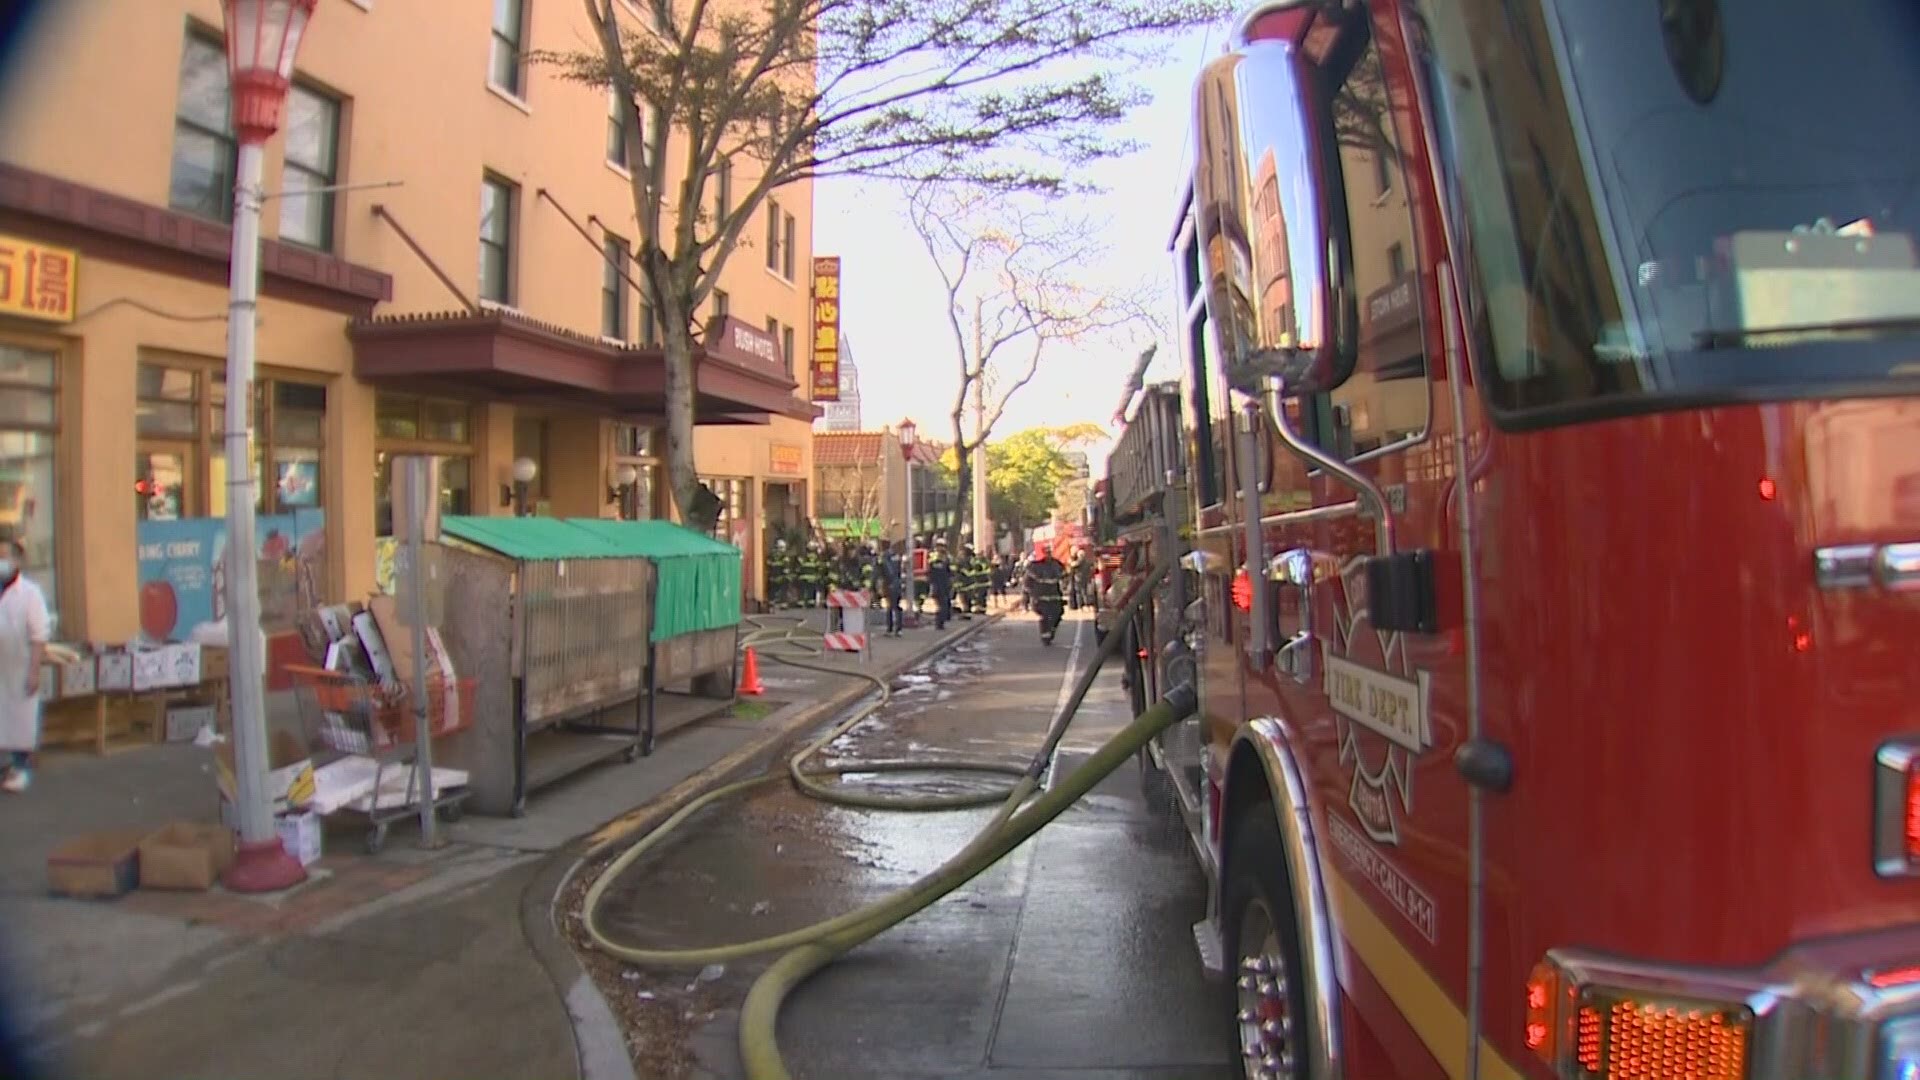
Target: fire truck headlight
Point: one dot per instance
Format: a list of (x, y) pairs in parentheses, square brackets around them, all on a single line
[(1900, 1049)]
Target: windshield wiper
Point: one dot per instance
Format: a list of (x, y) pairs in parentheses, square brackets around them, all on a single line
[(1708, 340)]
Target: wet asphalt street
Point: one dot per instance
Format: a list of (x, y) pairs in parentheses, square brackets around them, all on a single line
[(1070, 960)]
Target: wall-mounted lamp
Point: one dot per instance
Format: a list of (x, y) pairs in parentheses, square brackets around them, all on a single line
[(621, 492), (515, 494)]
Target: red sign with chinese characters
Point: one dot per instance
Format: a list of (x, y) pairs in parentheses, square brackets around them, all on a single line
[(36, 281), (826, 329)]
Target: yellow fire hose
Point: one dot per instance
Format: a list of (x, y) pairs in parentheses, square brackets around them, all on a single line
[(810, 948)]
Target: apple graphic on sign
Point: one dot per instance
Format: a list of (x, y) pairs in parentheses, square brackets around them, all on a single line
[(159, 610)]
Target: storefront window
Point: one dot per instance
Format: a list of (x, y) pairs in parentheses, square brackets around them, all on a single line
[(530, 442), (405, 424), (733, 504), (29, 429), (636, 445), (289, 429)]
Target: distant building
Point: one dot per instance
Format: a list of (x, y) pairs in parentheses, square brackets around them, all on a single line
[(844, 415), (860, 481), (1071, 498)]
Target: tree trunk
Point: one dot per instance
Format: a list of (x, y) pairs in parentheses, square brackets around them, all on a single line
[(699, 509), (962, 476)]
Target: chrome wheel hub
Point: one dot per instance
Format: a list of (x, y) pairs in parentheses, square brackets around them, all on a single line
[(1260, 990)]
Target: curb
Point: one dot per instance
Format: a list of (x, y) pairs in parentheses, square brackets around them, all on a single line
[(599, 1042), (662, 806)]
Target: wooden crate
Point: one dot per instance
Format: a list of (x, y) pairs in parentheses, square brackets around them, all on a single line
[(103, 723)]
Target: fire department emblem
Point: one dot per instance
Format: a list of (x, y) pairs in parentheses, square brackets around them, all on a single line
[(1381, 708)]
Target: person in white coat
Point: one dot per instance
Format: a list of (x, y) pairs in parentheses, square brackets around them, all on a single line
[(23, 652)]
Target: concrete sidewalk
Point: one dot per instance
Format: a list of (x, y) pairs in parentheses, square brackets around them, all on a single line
[(410, 963)]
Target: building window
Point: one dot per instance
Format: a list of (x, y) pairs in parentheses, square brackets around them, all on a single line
[(613, 289), (787, 249), (1382, 173), (773, 328), (616, 131), (786, 348), (636, 445), (530, 442), (723, 190), (170, 443), (1396, 261), (29, 432), (722, 303), (405, 424), (313, 152), (732, 492), (649, 324), (203, 142), (773, 234), (180, 467), (506, 65), (497, 199)]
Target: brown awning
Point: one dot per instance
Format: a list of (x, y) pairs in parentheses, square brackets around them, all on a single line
[(500, 355)]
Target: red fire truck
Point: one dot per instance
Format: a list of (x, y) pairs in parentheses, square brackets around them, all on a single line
[(1544, 473)]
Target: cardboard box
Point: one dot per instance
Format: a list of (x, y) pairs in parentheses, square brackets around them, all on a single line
[(165, 667), (289, 776), (81, 679), (115, 671), (103, 864), (182, 856), (300, 835), (214, 663), (185, 721), (49, 682)]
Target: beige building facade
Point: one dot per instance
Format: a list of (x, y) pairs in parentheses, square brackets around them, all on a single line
[(437, 276)]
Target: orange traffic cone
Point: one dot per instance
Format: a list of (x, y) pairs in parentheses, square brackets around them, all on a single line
[(750, 675)]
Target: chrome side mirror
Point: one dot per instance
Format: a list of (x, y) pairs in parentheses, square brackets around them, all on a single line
[(1272, 242)]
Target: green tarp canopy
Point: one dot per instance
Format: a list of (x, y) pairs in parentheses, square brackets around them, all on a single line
[(698, 576)]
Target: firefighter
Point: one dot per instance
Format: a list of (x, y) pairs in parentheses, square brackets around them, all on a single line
[(964, 569), (888, 587), (1083, 578), (1076, 563), (778, 575), (977, 584), (1044, 578), (819, 574), (940, 583)]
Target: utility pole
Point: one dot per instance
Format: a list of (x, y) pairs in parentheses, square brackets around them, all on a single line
[(982, 528)]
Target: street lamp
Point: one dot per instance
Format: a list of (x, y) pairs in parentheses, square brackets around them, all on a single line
[(624, 480), (262, 38), (524, 470), (909, 436)]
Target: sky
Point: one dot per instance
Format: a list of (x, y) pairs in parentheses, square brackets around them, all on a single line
[(892, 299)]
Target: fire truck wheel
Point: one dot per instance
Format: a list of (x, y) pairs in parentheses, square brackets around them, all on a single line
[(1263, 946)]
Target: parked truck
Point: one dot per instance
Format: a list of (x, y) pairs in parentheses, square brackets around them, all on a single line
[(1541, 471)]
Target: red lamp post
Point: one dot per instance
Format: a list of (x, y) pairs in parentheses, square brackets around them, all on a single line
[(262, 38), (909, 437)]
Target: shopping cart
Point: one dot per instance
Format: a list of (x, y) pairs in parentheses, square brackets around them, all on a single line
[(350, 715)]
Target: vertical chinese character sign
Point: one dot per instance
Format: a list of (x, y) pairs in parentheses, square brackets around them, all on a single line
[(36, 281), (826, 328)]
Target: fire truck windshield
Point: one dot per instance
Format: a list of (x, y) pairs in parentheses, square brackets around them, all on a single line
[(1673, 201)]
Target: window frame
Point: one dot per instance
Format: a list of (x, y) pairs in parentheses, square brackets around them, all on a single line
[(615, 298), (506, 245), (420, 443), (516, 43), (723, 189), (229, 174), (786, 348), (65, 553), (325, 178), (773, 236), (645, 458), (789, 242)]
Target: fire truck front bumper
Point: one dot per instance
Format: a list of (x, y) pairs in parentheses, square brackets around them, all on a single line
[(1839, 1009)]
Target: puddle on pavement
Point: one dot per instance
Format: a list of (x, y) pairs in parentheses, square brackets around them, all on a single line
[(777, 860)]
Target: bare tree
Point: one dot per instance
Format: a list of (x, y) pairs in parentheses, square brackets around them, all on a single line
[(1012, 274), (753, 96)]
